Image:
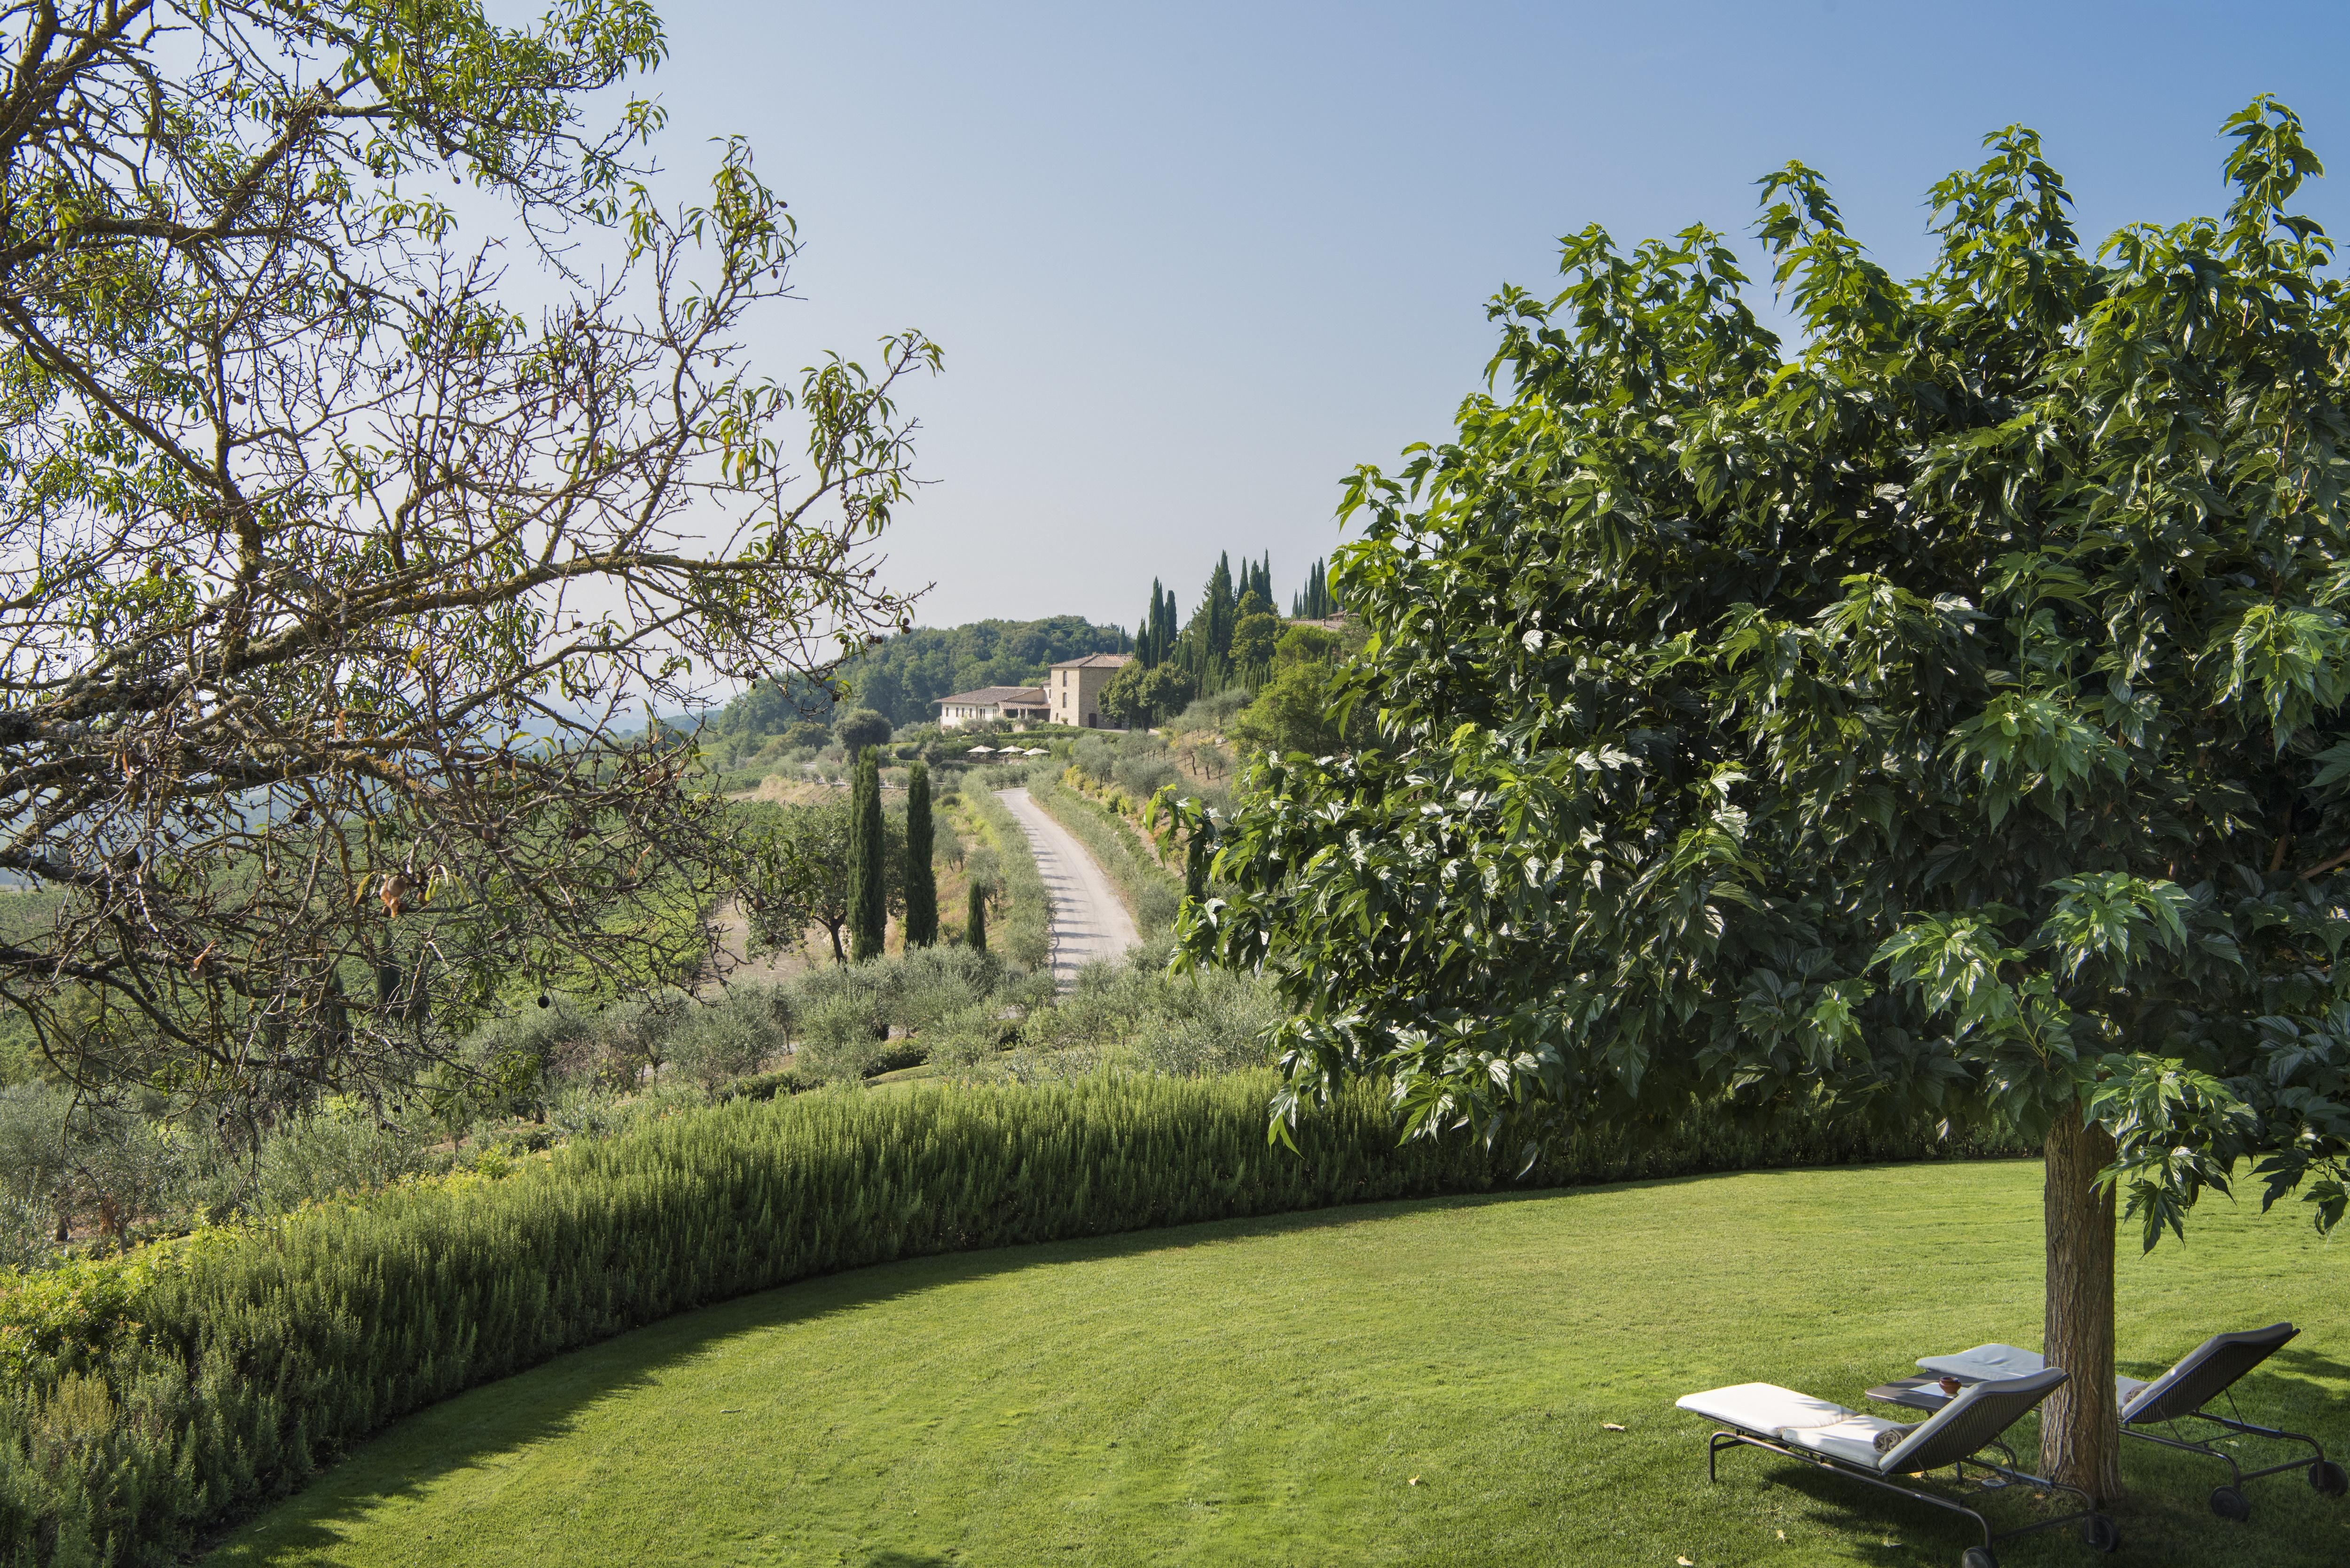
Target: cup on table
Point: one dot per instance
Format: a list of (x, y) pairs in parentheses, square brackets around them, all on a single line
[(1949, 1387)]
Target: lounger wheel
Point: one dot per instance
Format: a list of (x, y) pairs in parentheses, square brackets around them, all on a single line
[(2101, 1533), (1979, 1557), (2329, 1478), (2229, 1503)]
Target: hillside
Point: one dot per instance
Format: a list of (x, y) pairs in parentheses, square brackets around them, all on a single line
[(900, 679)]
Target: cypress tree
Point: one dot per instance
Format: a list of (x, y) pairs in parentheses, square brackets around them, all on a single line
[(869, 897), (1222, 601), (922, 880), (1314, 602), (974, 920)]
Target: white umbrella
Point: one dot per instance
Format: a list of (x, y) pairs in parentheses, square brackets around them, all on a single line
[(976, 750), (1038, 752)]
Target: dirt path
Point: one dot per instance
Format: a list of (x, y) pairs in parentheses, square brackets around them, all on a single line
[(1089, 921)]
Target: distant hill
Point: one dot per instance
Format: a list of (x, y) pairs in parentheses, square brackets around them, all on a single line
[(900, 679)]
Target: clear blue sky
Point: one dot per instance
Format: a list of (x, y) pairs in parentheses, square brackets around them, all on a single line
[(1190, 264)]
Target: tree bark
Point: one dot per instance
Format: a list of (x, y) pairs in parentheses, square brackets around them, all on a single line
[(2080, 1429)]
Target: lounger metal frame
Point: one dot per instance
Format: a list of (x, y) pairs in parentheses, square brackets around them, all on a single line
[(2219, 1363), (2099, 1526), (2186, 1393), (2237, 1474)]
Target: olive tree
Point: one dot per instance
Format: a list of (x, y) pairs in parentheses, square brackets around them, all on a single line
[(338, 552), (1940, 718)]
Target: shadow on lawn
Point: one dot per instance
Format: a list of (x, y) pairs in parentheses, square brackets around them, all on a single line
[(543, 1402)]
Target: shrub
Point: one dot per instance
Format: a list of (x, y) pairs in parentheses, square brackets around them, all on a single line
[(971, 1035), (147, 1398), (1215, 712), (1095, 756), (841, 1037), (1144, 776), (933, 982), (341, 1148), (765, 1087), (734, 1037)]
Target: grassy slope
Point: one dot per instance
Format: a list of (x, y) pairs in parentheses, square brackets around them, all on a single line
[(1265, 1391)]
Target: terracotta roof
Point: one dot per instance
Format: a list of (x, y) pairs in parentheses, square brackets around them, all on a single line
[(999, 697), (1096, 661)]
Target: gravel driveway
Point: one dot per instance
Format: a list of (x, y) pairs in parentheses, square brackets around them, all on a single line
[(1090, 919)]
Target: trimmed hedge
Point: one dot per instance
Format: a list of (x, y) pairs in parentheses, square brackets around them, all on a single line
[(146, 1400)]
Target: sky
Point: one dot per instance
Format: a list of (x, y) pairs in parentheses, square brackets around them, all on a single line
[(1191, 265)]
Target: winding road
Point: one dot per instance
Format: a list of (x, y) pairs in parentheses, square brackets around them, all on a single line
[(1090, 919)]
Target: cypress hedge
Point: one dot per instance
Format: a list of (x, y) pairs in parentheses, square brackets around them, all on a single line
[(144, 1400)]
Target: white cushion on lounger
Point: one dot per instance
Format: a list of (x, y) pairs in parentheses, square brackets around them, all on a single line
[(1852, 1440), (1764, 1408), (1989, 1363)]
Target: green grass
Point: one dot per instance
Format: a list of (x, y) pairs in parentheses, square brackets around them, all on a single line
[(1265, 1392)]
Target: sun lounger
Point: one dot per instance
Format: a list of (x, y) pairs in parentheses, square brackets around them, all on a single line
[(2182, 1393), (1885, 1454)]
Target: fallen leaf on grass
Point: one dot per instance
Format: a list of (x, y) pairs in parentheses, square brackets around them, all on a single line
[(1414, 1481), (1782, 1535), (1611, 1425), (1685, 1562)]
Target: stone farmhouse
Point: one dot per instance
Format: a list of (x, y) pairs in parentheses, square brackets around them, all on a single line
[(1020, 704), (1071, 695), (1074, 687)]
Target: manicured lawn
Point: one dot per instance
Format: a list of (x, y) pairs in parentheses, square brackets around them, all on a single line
[(1266, 1393)]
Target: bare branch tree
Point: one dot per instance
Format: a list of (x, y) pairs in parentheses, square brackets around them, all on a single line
[(330, 578)]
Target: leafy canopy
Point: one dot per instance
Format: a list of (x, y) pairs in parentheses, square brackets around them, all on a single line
[(1943, 716)]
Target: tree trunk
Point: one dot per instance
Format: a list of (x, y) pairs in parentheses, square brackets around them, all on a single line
[(2080, 1429)]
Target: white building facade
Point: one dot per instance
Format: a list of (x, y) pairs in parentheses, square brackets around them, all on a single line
[(1016, 704)]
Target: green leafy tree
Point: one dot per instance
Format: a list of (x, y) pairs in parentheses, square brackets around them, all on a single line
[(340, 548), (869, 882), (1140, 696), (1301, 708), (797, 872), (1254, 635), (1942, 720), (922, 877), (860, 728)]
